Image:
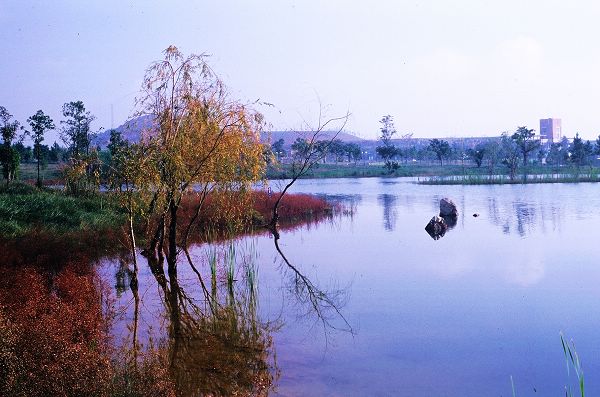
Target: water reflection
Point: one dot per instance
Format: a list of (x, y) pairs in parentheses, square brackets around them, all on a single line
[(122, 277), (522, 217), (390, 213), (200, 320), (211, 340)]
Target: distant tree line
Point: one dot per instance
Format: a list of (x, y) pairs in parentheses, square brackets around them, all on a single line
[(328, 150), (510, 151), (75, 132), (89, 164)]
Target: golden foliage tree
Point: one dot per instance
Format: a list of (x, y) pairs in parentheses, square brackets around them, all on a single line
[(202, 142)]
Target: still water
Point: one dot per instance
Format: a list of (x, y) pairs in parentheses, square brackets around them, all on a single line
[(396, 313)]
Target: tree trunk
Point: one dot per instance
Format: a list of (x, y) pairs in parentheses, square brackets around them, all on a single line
[(172, 255), (39, 181)]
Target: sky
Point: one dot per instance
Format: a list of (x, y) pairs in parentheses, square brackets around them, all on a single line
[(440, 68)]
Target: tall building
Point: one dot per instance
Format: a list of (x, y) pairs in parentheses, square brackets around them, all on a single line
[(551, 130)]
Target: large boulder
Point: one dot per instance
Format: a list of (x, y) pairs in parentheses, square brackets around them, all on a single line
[(436, 227), (448, 208)]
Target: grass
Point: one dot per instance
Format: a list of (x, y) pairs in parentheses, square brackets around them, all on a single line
[(24, 208), (28, 172)]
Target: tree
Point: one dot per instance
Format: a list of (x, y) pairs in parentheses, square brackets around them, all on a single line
[(525, 140), (116, 142), (9, 157), (300, 147), (541, 155), (440, 148), (511, 154), (40, 123), (83, 171), (555, 155), (477, 154), (56, 153), (387, 151), (277, 148), (118, 160), (558, 153), (25, 152), (338, 149), (202, 142), (597, 145), (309, 150), (76, 128), (580, 151), (353, 151), (492, 152)]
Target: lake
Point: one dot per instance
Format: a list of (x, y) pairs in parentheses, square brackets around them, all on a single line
[(395, 312)]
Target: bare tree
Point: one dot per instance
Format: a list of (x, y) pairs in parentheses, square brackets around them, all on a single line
[(314, 150), (321, 302)]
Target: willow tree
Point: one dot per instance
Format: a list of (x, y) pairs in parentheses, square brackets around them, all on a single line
[(202, 142)]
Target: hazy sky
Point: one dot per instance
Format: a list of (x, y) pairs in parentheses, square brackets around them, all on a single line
[(441, 68)]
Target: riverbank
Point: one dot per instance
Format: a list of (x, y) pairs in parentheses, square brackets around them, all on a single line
[(56, 311), (506, 180), (451, 174), (27, 211)]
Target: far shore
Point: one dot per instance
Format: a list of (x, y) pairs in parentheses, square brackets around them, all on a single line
[(450, 174)]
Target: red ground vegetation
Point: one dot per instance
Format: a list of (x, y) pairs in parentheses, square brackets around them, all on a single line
[(224, 212), (47, 251), (293, 207), (54, 339)]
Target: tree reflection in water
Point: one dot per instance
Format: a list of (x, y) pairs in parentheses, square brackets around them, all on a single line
[(323, 304), (212, 341), (210, 345)]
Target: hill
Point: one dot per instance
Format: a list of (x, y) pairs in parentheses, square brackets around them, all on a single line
[(290, 136), (131, 131)]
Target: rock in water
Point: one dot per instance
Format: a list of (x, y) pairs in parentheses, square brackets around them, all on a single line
[(448, 208), (436, 227)]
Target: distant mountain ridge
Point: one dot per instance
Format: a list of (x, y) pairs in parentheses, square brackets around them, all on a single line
[(290, 136), (132, 129)]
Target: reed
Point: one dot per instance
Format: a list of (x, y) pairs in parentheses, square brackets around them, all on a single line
[(572, 361), (230, 266)]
